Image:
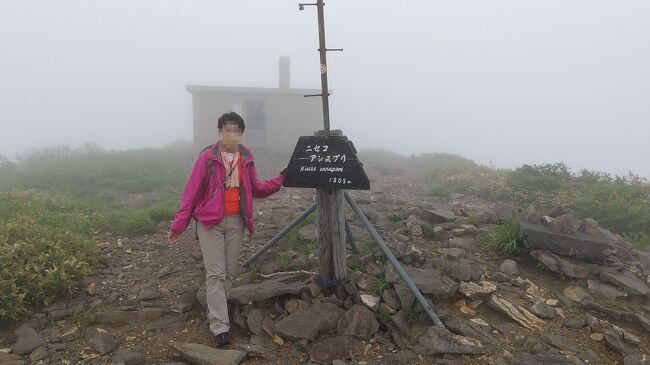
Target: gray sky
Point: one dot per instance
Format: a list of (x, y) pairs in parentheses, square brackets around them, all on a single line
[(511, 81)]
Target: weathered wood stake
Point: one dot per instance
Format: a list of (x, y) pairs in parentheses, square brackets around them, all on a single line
[(331, 235)]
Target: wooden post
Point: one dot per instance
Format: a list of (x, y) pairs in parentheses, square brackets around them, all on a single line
[(331, 234), (322, 50)]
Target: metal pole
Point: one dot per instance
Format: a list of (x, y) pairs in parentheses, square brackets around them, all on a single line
[(348, 232), (323, 65), (389, 255), (280, 235)]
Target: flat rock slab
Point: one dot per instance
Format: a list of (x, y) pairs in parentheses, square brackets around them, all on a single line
[(517, 314), (198, 354), (617, 314), (127, 357), (561, 343), (459, 269), (626, 281), (543, 310), (561, 265), (438, 340), (252, 350), (525, 358), (579, 245), (615, 337), (309, 322), (427, 280), (122, 317), (477, 291), (471, 329), (28, 340), (576, 293), (437, 215), (283, 285), (605, 291), (328, 349), (300, 325), (636, 360), (101, 340)]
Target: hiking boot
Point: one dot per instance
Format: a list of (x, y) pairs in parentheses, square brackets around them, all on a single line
[(222, 339)]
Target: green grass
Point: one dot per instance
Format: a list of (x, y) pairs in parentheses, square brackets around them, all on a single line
[(378, 286), (132, 190), (105, 177), (640, 240), (383, 316), (55, 200), (418, 336), (438, 190), (366, 246), (397, 217), (46, 248), (428, 230), (411, 314), (620, 204), (82, 319), (284, 260), (308, 248), (505, 239)]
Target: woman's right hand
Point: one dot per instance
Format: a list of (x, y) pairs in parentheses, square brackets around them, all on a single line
[(172, 237)]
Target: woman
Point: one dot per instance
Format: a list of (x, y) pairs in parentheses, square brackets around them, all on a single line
[(219, 194)]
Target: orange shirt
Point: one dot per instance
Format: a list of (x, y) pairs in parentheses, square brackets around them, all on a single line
[(231, 198)]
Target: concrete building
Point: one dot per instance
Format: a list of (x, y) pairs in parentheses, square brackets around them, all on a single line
[(275, 117)]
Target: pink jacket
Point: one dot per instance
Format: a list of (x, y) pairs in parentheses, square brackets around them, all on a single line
[(206, 176)]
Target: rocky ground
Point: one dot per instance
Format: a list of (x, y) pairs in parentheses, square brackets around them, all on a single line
[(576, 295)]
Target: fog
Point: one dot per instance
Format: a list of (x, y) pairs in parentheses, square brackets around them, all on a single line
[(502, 82)]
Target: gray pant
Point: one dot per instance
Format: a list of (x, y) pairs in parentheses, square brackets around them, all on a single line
[(220, 246)]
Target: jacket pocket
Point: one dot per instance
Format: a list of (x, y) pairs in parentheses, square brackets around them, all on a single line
[(211, 209)]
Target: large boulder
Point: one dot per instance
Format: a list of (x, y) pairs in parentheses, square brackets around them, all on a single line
[(579, 245), (299, 325), (358, 322), (309, 322)]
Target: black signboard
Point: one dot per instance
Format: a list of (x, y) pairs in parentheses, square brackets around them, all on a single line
[(325, 162)]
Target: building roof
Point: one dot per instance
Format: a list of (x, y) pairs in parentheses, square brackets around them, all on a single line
[(250, 90)]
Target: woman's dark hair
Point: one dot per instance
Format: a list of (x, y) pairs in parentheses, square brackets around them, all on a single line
[(231, 117)]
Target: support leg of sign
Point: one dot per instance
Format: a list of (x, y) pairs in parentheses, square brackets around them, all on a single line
[(389, 255), (280, 235), (348, 233), (331, 241)]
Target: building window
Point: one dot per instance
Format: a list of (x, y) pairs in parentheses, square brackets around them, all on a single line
[(255, 114)]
